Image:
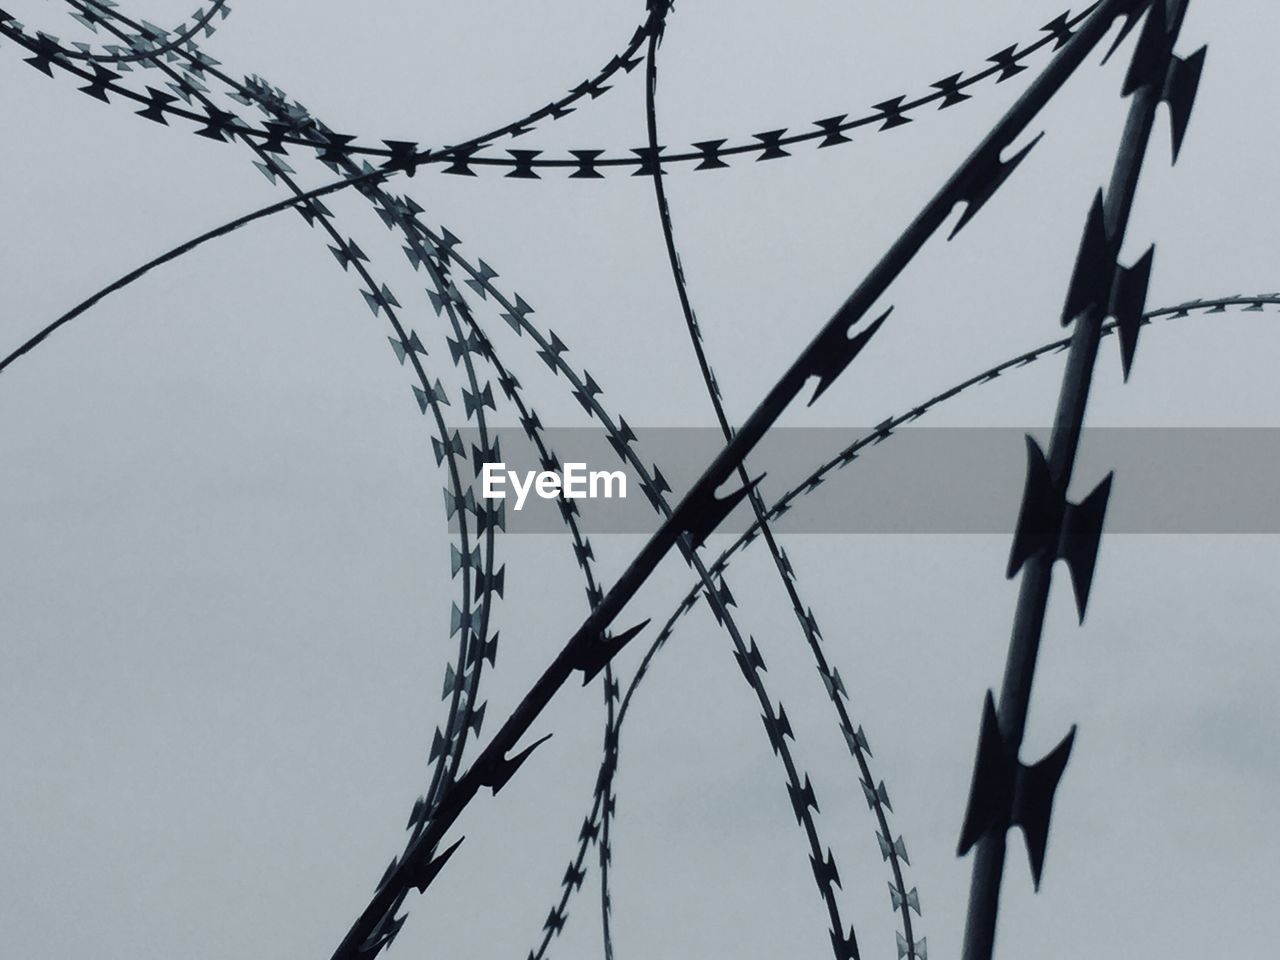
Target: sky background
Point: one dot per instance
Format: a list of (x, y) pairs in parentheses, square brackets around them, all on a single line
[(224, 582)]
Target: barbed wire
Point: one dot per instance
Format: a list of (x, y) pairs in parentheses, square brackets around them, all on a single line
[(461, 719), (1050, 528), (881, 432), (877, 795), (581, 164), (1005, 792), (469, 615), (149, 43)]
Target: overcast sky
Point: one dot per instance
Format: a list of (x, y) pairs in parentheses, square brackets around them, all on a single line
[(224, 568)]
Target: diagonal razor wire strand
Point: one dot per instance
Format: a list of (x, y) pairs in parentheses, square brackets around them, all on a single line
[(551, 349), (1005, 791)]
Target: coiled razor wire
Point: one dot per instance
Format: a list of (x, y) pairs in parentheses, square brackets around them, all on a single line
[(461, 719), (462, 676), (47, 53), (461, 159), (149, 43), (1100, 287)]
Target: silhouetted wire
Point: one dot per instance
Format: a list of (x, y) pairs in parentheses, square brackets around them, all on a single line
[(375, 176), (584, 163), (1004, 791), (484, 769), (975, 186), (828, 877), (144, 44), (591, 647), (274, 168), (846, 456), (888, 428), (462, 715), (221, 126)]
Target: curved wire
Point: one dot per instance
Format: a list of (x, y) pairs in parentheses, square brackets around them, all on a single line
[(297, 202), (552, 349), (846, 456), (876, 796), (181, 34), (388, 921), (461, 158), (886, 429), (945, 97), (462, 715), (302, 201), (219, 125)]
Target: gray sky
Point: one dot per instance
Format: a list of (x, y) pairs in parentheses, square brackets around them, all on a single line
[(225, 585)]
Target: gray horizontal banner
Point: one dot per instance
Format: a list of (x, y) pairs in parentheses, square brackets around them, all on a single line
[(881, 480)]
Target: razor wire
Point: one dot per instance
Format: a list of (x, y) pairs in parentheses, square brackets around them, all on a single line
[(384, 933), (885, 430), (1100, 286), (878, 434), (551, 349), (149, 43), (556, 918), (877, 795), (700, 511), (1005, 792), (47, 53), (584, 164), (475, 645)]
